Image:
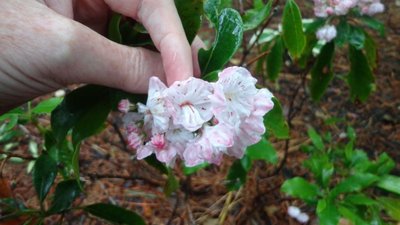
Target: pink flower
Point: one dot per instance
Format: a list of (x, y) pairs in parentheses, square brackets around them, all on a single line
[(124, 105), (190, 106)]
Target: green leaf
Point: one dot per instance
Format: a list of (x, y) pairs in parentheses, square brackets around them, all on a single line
[(66, 192), (351, 215), (383, 165), (292, 29), (390, 183), (391, 206), (47, 106), (343, 33), (191, 170), (356, 182), (190, 12), (13, 120), (321, 72), (44, 173), (357, 37), (91, 122), (84, 110), (316, 139), (263, 150), (360, 78), (351, 133), (254, 17), (172, 183), (370, 50), (321, 167), (275, 122), (275, 59), (153, 161), (312, 26), (327, 212), (114, 33), (114, 214), (236, 176), (211, 77), (373, 23), (359, 199), (227, 41), (211, 10), (300, 188)]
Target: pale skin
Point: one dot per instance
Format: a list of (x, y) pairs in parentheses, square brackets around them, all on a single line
[(49, 44)]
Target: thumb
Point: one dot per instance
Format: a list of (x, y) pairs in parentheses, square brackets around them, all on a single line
[(97, 60)]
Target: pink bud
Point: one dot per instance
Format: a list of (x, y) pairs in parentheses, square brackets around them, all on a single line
[(123, 105)]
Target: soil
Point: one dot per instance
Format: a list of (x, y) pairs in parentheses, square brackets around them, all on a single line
[(112, 175)]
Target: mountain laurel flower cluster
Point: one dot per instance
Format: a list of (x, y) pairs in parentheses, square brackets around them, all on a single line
[(196, 120), (327, 8)]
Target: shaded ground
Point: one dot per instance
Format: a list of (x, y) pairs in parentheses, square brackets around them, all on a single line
[(111, 175)]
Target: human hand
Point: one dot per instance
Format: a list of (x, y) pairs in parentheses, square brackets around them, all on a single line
[(43, 48)]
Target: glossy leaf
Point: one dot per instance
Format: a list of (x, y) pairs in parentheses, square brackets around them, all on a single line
[(275, 122), (356, 182), (391, 206), (47, 105), (211, 10), (360, 78), (292, 29), (114, 214), (327, 212), (357, 37), (383, 165), (228, 39), (65, 194), (91, 121), (390, 183), (190, 12), (373, 23), (114, 33), (263, 150), (84, 108), (370, 51), (152, 161), (236, 176), (321, 72), (300, 188), (254, 17), (275, 59), (316, 139), (343, 33), (44, 173)]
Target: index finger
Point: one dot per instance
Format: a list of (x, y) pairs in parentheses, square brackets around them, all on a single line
[(161, 19)]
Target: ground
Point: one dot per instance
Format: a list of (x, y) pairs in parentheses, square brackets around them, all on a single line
[(112, 175)]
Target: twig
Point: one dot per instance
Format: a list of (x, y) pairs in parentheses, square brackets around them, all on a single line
[(121, 137), (173, 214), (255, 59)]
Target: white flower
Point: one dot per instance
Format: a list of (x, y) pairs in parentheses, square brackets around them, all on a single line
[(326, 33), (190, 106), (233, 94), (375, 8), (303, 218), (155, 113), (293, 211)]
